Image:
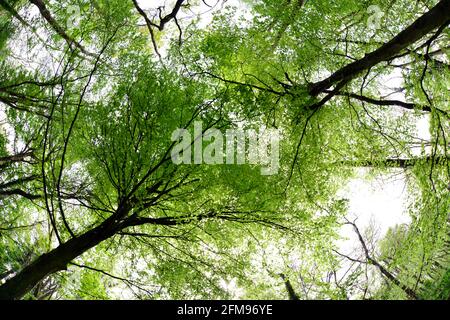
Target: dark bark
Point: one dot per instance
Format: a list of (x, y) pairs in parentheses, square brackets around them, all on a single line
[(398, 103), (5, 5), (171, 15), (57, 259), (409, 292), (163, 20), (59, 30), (395, 163), (18, 181), (18, 192), (291, 292), (435, 18), (4, 161)]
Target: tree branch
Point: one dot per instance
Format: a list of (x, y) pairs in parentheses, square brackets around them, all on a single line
[(435, 18), (59, 30), (409, 292), (406, 105)]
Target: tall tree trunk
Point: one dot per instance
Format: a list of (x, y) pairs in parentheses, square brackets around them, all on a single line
[(291, 292), (57, 259), (409, 292), (435, 18)]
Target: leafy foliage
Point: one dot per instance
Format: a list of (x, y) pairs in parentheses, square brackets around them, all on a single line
[(90, 99)]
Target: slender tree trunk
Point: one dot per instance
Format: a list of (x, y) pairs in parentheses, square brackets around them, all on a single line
[(409, 292), (291, 292)]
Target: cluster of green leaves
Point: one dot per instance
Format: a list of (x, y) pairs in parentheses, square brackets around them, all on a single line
[(100, 129)]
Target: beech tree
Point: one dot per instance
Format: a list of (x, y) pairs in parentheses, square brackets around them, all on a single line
[(92, 203)]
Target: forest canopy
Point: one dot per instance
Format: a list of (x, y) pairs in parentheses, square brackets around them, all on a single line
[(274, 106)]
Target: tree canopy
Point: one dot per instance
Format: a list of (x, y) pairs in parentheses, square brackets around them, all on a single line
[(92, 205)]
